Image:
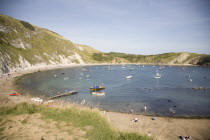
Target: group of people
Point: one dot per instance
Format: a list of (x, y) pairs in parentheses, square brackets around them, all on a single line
[(135, 120), (185, 137), (145, 109), (172, 111)]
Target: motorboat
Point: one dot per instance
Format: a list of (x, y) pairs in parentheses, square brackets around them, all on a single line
[(98, 93), (157, 75), (129, 77), (97, 88), (65, 78)]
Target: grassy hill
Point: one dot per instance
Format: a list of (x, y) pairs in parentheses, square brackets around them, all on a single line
[(26, 46), (166, 58), (60, 123)]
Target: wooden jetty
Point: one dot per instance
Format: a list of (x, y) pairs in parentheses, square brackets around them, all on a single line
[(200, 88), (64, 94)]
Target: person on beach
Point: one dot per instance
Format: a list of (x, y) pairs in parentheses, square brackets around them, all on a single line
[(185, 137), (153, 118), (83, 102), (131, 111), (145, 108), (172, 111), (135, 120)]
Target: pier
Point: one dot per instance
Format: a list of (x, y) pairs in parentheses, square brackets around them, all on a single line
[(64, 94)]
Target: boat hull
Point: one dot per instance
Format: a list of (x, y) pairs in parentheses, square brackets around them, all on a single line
[(98, 93), (96, 89)]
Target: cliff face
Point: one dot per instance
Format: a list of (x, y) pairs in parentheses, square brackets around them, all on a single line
[(25, 46)]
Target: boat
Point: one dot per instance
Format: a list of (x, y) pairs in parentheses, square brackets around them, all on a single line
[(157, 75), (86, 70), (14, 94), (97, 88), (129, 77), (108, 68), (65, 78), (98, 93), (131, 69)]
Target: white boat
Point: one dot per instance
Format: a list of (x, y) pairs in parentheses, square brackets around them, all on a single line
[(131, 69), (65, 78), (129, 77), (37, 100), (157, 75), (98, 93)]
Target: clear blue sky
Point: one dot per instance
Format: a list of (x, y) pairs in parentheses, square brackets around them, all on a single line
[(128, 26)]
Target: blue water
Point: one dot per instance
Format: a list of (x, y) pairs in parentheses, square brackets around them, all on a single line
[(173, 89)]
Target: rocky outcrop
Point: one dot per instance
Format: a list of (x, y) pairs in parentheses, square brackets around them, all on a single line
[(194, 60), (19, 43), (4, 29), (180, 59)]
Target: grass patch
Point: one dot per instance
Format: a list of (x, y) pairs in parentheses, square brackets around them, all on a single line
[(69, 132), (27, 25), (23, 108), (48, 132), (77, 117), (1, 132), (3, 137), (2, 129), (24, 121), (132, 136)]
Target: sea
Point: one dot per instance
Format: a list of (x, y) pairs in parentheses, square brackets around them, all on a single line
[(173, 91)]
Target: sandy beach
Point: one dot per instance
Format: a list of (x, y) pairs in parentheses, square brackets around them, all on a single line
[(163, 128)]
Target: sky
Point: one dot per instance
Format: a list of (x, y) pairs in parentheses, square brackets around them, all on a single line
[(128, 26)]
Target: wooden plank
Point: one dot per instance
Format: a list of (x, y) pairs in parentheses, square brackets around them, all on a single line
[(64, 94)]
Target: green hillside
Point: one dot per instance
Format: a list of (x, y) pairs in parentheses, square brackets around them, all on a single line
[(166, 58), (23, 45)]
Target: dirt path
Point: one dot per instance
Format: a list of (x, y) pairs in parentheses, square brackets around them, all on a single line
[(32, 127), (163, 128)]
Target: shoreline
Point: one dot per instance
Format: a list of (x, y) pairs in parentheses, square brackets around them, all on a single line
[(162, 128), (7, 84), (26, 72)]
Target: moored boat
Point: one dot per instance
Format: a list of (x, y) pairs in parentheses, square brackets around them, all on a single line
[(129, 77), (98, 93), (97, 88), (157, 75)]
